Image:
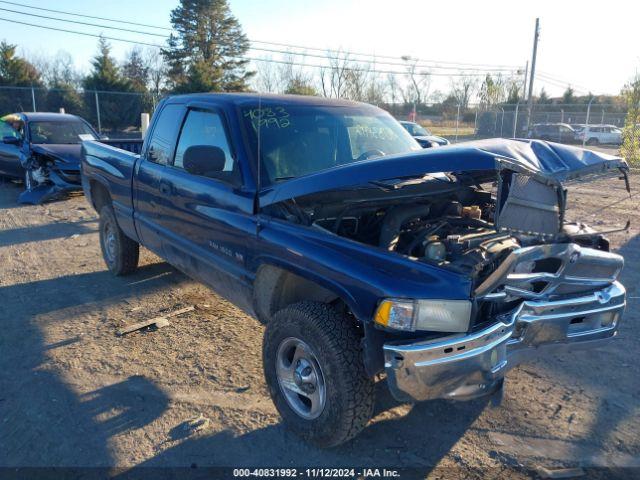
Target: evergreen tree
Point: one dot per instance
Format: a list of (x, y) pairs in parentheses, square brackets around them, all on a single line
[(568, 96), (299, 86), (206, 52), (117, 110), (136, 71), (16, 71), (105, 75), (544, 97)]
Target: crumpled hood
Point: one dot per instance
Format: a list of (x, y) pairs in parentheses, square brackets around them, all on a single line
[(552, 161), (67, 155)]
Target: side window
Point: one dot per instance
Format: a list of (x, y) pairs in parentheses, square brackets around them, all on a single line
[(205, 128), (7, 130), (164, 134)]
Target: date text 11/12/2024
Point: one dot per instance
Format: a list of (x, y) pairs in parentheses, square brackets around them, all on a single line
[(317, 472)]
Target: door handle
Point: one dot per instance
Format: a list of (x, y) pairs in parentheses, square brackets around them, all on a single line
[(165, 188)]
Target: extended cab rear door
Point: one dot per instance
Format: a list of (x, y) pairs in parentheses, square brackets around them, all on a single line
[(151, 195)]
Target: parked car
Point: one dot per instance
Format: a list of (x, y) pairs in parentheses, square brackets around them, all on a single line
[(425, 138), (43, 150), (553, 132), (361, 252), (599, 134)]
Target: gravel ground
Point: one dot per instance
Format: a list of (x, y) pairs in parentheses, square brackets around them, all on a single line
[(74, 394)]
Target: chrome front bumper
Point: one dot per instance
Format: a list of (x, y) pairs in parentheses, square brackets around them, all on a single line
[(472, 365)]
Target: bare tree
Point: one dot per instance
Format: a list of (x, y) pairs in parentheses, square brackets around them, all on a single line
[(419, 82), (393, 88), (334, 78), (462, 90), (57, 70), (267, 77), (157, 71), (376, 90)]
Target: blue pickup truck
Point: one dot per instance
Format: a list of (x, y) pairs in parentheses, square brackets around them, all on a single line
[(360, 251)]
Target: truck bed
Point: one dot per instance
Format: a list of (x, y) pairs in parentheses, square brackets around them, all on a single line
[(113, 168)]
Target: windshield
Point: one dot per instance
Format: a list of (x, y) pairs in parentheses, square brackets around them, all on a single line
[(298, 140), (59, 132), (416, 130)]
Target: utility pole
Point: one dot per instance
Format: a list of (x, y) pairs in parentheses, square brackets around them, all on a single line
[(532, 75)]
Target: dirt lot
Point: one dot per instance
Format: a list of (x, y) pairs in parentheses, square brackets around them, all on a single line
[(73, 393)]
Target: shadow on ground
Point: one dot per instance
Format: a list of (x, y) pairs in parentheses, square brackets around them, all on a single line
[(43, 422), (49, 231), (419, 440)]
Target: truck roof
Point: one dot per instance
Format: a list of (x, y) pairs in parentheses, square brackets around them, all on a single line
[(47, 116), (270, 98)]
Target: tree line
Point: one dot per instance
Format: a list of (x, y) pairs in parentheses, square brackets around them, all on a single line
[(207, 53)]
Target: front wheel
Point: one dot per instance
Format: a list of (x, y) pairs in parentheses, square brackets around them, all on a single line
[(120, 253), (29, 182), (313, 366), (593, 141)]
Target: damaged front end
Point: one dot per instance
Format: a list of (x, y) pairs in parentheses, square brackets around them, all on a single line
[(50, 172), (497, 216)]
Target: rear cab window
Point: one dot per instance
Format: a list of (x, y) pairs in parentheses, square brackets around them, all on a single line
[(165, 133)]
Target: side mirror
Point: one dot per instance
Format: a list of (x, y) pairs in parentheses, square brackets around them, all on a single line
[(11, 140), (205, 160)]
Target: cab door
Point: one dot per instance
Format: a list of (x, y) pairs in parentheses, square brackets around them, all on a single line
[(10, 152)]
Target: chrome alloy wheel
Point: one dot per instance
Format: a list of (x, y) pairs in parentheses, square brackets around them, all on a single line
[(300, 378), (109, 241)]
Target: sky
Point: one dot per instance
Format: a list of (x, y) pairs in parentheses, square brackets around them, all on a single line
[(592, 45)]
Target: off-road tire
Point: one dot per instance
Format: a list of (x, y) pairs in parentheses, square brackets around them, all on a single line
[(125, 253), (336, 344)]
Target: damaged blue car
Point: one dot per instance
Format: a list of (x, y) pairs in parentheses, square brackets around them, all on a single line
[(43, 150)]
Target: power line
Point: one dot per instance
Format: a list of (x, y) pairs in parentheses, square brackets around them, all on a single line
[(80, 33), (262, 49), (86, 16), (365, 70), (353, 69), (374, 58), (560, 83), (564, 81), (82, 23)]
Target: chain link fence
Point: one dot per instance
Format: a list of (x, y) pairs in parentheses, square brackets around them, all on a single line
[(510, 120), (116, 114)]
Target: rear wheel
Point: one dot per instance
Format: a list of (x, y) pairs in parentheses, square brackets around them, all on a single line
[(313, 366), (120, 253), (593, 141)]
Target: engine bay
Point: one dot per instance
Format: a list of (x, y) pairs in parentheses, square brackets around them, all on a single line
[(453, 224)]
